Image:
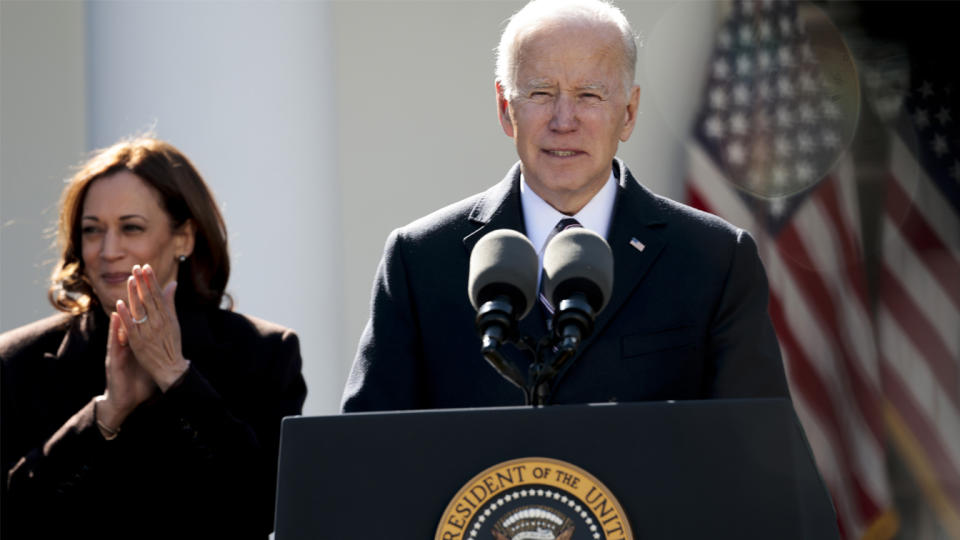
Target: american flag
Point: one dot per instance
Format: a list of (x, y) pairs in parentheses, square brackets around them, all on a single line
[(767, 155), (918, 319)]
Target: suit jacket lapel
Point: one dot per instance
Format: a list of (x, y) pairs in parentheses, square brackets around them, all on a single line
[(499, 208), (636, 243), (634, 240)]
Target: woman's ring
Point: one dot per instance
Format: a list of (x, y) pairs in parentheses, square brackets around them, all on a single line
[(141, 320)]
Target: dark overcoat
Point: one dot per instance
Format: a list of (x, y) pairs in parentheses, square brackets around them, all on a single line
[(196, 462), (687, 317)]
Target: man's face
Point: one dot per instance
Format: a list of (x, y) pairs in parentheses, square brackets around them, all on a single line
[(570, 112)]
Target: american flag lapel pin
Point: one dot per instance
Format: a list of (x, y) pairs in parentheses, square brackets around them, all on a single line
[(637, 244)]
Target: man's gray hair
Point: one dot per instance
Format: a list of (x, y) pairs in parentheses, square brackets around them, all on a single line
[(538, 12)]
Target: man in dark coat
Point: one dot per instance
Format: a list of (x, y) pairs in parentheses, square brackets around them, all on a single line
[(687, 317)]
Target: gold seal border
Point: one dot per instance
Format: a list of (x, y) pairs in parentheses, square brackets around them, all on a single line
[(485, 486)]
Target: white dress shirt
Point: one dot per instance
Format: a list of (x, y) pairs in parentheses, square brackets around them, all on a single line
[(540, 218)]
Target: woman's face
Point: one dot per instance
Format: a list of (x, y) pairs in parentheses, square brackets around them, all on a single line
[(123, 224)]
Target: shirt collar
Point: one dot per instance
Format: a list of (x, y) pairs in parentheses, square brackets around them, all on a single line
[(539, 217)]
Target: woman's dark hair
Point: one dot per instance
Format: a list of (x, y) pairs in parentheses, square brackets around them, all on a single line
[(202, 278)]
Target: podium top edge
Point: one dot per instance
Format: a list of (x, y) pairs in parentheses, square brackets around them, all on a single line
[(772, 402)]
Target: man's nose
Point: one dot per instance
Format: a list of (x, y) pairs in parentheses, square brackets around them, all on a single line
[(564, 114)]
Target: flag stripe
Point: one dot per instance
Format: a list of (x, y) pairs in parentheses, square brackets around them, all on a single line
[(817, 295), (853, 326), (711, 186), (846, 272), (826, 457), (920, 332), (821, 355), (921, 383), (850, 250), (919, 284), (925, 242), (821, 403), (853, 307)]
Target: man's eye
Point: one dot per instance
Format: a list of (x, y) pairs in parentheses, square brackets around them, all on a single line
[(590, 96)]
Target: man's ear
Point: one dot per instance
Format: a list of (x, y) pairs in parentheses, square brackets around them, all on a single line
[(503, 110), (185, 237), (630, 117)]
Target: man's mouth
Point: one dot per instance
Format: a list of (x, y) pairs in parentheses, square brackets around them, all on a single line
[(563, 153)]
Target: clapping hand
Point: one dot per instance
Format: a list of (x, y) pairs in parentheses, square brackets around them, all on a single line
[(128, 384), (143, 350), (151, 326)]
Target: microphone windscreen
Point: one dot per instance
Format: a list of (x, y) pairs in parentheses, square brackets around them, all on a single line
[(578, 260), (504, 262)]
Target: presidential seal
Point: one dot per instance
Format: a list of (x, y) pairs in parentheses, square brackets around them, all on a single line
[(534, 498)]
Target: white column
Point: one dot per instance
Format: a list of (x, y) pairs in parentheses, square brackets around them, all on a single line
[(41, 132), (244, 89)]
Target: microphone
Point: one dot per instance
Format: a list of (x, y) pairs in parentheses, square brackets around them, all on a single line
[(578, 279), (502, 287)]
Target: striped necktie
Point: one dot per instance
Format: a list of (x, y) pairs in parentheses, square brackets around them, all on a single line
[(545, 303)]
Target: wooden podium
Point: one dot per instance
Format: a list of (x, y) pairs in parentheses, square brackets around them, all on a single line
[(738, 469)]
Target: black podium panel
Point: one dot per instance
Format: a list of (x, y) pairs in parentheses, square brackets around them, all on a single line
[(694, 469)]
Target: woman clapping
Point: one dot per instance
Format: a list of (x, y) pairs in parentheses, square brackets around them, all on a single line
[(144, 410)]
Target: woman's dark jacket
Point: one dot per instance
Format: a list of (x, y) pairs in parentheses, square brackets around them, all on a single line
[(199, 461)]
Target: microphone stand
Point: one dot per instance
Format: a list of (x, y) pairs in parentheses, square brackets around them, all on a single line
[(536, 386), (496, 324), (572, 323), (544, 372), (549, 358), (509, 371)]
